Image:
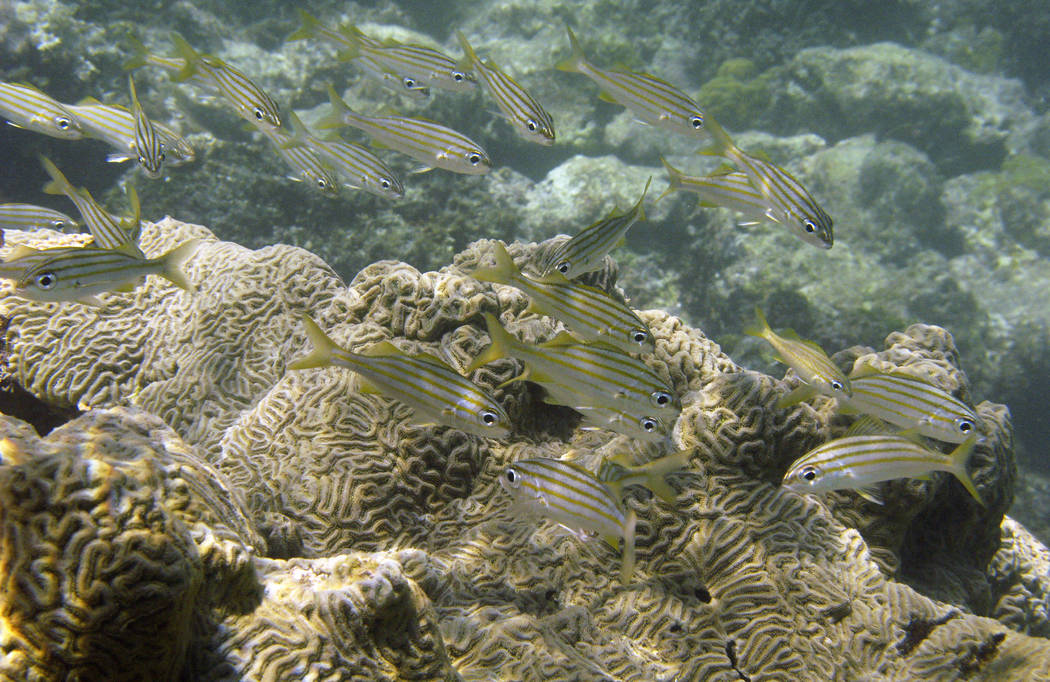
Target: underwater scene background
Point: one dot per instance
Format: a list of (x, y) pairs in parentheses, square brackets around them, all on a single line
[(301, 534)]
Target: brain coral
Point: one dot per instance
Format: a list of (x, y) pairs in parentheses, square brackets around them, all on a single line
[(384, 549)]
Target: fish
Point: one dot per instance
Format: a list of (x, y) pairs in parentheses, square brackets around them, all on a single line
[(588, 312), (437, 393), (617, 473), (115, 125), (306, 167), (586, 251), (732, 190), (571, 496), (910, 403), (109, 231), (80, 273), (858, 462), (580, 375), (32, 217), (430, 143), (787, 201), (652, 100), (352, 163), (813, 366), (646, 427), (25, 106), (311, 27), (526, 116), (148, 144)]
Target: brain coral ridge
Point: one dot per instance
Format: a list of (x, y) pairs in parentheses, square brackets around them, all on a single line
[(303, 529)]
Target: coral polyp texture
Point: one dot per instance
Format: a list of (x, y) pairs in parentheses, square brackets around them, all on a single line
[(213, 515)]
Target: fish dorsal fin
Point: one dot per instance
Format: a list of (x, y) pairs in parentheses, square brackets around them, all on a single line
[(913, 435), (864, 368), (382, 349), (799, 395), (89, 101), (867, 425), (21, 251), (560, 340)]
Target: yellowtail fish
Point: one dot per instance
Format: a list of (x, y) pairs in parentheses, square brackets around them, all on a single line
[(787, 201), (528, 118), (79, 274), (572, 497), (30, 217), (312, 28), (580, 375), (435, 391), (305, 165), (732, 190), (858, 462), (585, 252), (813, 366), (108, 230), (415, 63), (910, 403), (646, 428), (147, 141), (115, 125), (650, 99), (430, 143), (617, 473), (25, 106), (588, 312), (353, 164)]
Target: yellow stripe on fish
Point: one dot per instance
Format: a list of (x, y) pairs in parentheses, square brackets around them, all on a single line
[(115, 125), (109, 231), (725, 190), (147, 141), (303, 162), (421, 65), (30, 217), (25, 106)]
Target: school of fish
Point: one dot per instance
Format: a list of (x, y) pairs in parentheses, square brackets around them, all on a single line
[(596, 365)]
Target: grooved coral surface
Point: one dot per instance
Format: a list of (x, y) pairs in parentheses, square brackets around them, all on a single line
[(386, 549)]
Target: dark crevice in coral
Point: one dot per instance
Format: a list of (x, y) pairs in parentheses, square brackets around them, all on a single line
[(20, 403), (837, 612), (919, 629), (731, 655), (982, 654)]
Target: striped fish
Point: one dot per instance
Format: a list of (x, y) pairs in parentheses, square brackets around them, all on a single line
[(305, 165), (617, 472), (115, 125), (813, 366), (422, 66), (731, 190), (430, 143), (30, 217), (585, 252), (405, 85), (910, 403), (148, 146), (650, 99), (108, 230), (588, 312), (80, 273), (25, 106), (857, 462), (646, 428), (572, 497), (788, 202), (527, 116), (580, 375), (355, 165), (435, 391)]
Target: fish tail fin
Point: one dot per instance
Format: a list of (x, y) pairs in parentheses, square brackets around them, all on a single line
[(139, 53), (355, 37), (658, 468), (629, 523), (674, 179), (641, 200), (188, 54), (322, 345), (307, 29), (172, 264), (960, 456), (504, 272), (575, 61), (136, 213), (760, 327), (58, 184), (500, 341), (334, 118)]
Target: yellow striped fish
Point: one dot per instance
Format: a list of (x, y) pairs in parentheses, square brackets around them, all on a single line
[(415, 63), (108, 230), (587, 311), (435, 391), (581, 375), (355, 165), (857, 462), (585, 252), (304, 163), (732, 190), (617, 472), (80, 273), (25, 106), (813, 366), (572, 497), (32, 217), (910, 403), (528, 118), (646, 428), (650, 99), (787, 200), (148, 146), (115, 125), (430, 143)]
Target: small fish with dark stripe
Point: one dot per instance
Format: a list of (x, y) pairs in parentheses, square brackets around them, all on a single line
[(109, 231), (436, 392), (148, 146), (25, 106)]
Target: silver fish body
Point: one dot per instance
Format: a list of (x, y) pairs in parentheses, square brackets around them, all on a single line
[(648, 428), (305, 165), (726, 190), (422, 66), (109, 231), (30, 217), (25, 106), (147, 140), (115, 125)]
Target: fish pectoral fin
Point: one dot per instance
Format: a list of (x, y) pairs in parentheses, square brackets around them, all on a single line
[(381, 349), (799, 395), (90, 300), (871, 493), (419, 170), (606, 97), (367, 387), (521, 377)]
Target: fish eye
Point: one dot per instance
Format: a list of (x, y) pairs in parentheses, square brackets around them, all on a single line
[(46, 280), (458, 76), (474, 158), (965, 426), (649, 424), (531, 125), (160, 156), (322, 183), (63, 123), (808, 474), (489, 418), (511, 475), (409, 82), (661, 398), (836, 385), (384, 183), (562, 267), (259, 115), (639, 336), (59, 225), (697, 122), (809, 226)]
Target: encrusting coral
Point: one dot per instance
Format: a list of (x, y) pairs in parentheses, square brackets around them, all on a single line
[(317, 531)]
